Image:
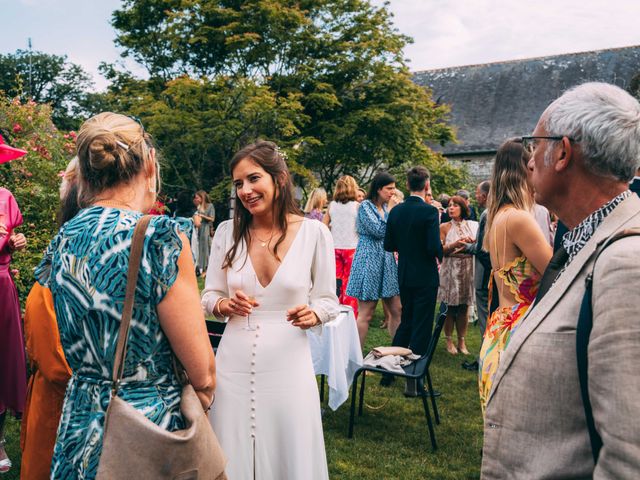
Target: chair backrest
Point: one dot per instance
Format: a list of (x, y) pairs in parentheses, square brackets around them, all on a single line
[(435, 336), (215, 330), (421, 364)]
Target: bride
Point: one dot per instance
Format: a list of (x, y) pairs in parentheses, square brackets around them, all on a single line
[(272, 274)]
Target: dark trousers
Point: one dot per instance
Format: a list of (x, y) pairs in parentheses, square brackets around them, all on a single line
[(482, 308), (416, 324)]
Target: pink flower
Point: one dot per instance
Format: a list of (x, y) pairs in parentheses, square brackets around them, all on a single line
[(17, 128)]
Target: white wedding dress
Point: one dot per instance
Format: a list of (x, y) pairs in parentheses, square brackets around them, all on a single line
[(267, 410)]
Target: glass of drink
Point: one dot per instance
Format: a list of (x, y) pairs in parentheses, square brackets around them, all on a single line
[(248, 282)]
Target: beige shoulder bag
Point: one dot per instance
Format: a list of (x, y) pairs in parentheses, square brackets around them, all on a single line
[(134, 446)]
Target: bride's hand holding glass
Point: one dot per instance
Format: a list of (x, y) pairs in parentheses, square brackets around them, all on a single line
[(240, 305)]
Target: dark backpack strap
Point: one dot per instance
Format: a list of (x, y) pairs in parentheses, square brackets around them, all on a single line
[(583, 332)]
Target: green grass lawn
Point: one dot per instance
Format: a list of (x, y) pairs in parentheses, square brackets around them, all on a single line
[(392, 442)]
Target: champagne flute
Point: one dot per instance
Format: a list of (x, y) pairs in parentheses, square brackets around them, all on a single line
[(248, 286)]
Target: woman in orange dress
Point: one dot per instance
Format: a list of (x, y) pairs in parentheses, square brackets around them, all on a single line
[(49, 369), (519, 254)]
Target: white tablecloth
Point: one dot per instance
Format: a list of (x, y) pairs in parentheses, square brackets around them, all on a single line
[(336, 353)]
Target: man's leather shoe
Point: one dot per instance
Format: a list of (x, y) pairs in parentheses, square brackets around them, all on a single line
[(471, 366)]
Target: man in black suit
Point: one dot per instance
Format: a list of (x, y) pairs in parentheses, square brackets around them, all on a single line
[(413, 230)]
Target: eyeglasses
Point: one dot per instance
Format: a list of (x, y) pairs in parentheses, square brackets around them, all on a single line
[(530, 143)]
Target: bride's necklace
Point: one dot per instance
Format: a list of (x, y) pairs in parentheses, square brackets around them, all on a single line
[(264, 243)]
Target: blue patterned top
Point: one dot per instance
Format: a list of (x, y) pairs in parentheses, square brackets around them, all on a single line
[(374, 272), (85, 267)]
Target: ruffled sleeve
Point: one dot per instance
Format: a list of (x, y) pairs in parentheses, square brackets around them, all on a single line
[(369, 222), (45, 267), (163, 250), (216, 284), (322, 297)]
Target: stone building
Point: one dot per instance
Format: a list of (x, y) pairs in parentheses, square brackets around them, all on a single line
[(495, 101)]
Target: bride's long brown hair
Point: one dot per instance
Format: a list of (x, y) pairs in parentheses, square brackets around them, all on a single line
[(267, 155)]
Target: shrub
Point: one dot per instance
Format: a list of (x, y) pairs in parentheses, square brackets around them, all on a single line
[(33, 179)]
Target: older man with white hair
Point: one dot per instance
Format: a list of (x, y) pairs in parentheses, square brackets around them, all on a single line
[(585, 149)]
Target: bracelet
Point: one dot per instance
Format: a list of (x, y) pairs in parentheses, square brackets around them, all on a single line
[(217, 307), (211, 404)]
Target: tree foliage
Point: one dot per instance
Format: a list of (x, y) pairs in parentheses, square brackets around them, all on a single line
[(46, 78), (33, 179), (325, 76)]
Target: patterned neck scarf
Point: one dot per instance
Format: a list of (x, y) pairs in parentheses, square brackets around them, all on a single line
[(575, 239)]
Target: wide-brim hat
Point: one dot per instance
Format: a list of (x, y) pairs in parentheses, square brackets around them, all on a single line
[(8, 153)]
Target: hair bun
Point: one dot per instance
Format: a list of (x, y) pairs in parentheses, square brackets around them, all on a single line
[(104, 151)]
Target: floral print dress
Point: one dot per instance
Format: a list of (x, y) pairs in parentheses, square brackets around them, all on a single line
[(85, 266), (523, 281)]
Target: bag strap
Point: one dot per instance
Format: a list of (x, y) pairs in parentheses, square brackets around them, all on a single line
[(137, 242), (583, 332)]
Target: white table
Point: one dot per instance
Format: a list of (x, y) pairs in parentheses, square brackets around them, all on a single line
[(336, 353)]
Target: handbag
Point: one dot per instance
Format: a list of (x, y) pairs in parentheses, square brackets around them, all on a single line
[(135, 446)]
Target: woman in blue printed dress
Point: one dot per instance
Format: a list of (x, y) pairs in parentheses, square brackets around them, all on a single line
[(374, 272), (85, 267)]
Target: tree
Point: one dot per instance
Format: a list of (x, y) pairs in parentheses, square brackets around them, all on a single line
[(341, 60), (46, 78)]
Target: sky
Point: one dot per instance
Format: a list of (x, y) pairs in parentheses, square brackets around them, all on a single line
[(446, 32)]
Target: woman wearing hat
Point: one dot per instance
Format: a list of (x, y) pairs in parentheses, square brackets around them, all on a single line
[(12, 362)]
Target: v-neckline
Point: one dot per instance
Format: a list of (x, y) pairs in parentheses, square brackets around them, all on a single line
[(284, 258)]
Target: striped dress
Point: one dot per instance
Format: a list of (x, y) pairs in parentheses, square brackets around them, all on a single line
[(85, 266)]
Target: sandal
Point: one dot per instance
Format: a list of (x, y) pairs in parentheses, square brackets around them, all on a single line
[(450, 347), (5, 465), (462, 347)]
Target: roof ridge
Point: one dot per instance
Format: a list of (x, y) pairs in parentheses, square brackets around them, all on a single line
[(519, 60)]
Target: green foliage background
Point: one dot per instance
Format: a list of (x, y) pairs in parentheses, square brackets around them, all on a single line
[(33, 179)]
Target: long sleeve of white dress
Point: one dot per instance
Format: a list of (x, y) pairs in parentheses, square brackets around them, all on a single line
[(322, 296), (216, 282)]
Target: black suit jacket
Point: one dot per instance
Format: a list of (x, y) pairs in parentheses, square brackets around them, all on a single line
[(413, 230)]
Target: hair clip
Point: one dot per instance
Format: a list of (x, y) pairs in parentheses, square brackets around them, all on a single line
[(123, 145)]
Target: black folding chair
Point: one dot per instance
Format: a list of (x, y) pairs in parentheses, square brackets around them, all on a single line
[(417, 370), (215, 330)]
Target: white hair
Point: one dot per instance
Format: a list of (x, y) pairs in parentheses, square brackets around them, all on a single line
[(605, 122)]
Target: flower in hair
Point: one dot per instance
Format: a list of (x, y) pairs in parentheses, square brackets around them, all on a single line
[(281, 153)]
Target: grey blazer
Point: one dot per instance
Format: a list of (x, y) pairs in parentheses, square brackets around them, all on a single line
[(535, 423)]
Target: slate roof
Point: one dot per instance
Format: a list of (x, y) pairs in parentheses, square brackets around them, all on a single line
[(495, 101)]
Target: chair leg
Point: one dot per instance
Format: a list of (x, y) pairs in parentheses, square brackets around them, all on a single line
[(354, 392), (360, 407), (322, 388), (436, 414), (432, 433)]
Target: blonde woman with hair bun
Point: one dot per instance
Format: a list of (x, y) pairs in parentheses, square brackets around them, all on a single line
[(341, 219), (85, 267), (519, 255)]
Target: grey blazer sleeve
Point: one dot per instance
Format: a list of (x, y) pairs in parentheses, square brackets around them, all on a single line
[(614, 351)]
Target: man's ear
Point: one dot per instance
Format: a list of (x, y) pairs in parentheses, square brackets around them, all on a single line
[(565, 155)]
